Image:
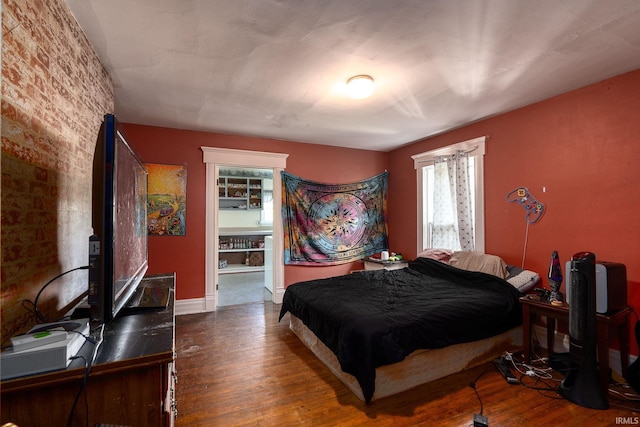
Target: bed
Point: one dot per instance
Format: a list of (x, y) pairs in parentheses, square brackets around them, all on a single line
[(385, 331)]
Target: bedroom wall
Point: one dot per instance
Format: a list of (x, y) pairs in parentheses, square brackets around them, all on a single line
[(186, 255), (54, 94), (582, 148)]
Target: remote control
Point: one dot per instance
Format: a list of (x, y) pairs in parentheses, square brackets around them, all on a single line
[(505, 370)]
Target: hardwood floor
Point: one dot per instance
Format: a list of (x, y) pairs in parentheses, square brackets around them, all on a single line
[(238, 366)]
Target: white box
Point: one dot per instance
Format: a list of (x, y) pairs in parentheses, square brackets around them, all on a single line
[(48, 357)]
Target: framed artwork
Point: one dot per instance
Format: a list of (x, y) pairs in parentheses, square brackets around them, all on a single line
[(167, 200)]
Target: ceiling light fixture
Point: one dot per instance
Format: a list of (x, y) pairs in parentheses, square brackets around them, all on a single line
[(359, 87)]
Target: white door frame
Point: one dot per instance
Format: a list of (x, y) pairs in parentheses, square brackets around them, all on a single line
[(213, 158)]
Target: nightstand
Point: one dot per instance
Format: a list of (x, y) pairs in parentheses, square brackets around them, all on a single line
[(378, 264), (617, 321)]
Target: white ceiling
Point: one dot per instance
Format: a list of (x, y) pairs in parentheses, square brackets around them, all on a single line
[(277, 68)]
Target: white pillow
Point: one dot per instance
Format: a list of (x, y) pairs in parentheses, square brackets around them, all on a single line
[(524, 281)]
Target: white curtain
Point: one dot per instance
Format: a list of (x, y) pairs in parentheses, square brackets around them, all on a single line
[(452, 215)]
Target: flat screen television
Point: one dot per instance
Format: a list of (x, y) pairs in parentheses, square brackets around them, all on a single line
[(118, 256)]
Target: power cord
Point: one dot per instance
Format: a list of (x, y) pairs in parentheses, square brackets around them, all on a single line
[(82, 387), (526, 240), (34, 304), (87, 370), (529, 372), (479, 420)]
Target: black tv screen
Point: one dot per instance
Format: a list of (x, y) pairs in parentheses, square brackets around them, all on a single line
[(118, 249)]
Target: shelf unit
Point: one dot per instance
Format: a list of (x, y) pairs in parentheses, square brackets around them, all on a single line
[(235, 244), (240, 193)]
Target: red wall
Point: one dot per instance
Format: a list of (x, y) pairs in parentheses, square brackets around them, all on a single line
[(583, 147), (186, 255)]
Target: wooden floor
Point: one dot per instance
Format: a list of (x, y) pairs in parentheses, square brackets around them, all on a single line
[(238, 366)]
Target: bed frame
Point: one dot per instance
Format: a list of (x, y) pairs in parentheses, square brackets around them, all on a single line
[(420, 367)]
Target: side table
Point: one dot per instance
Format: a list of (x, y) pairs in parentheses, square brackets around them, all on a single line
[(605, 323), (378, 264)]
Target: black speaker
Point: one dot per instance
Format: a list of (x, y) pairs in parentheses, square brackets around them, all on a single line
[(581, 384)]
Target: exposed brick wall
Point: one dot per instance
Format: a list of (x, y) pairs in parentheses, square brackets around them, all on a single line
[(54, 95)]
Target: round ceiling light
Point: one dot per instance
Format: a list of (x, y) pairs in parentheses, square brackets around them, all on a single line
[(359, 87)]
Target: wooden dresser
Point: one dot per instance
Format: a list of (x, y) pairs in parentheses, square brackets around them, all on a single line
[(131, 382)]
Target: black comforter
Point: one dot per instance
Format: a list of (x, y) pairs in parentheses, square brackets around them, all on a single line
[(374, 318)]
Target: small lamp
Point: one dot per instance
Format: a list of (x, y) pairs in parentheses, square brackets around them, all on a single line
[(555, 279)]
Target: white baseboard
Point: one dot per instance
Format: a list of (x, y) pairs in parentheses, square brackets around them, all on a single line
[(197, 305), (190, 306), (561, 344)]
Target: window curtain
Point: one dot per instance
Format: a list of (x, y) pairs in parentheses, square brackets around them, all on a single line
[(452, 216)]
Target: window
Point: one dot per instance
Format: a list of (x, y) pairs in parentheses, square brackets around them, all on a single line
[(427, 177), (266, 214)]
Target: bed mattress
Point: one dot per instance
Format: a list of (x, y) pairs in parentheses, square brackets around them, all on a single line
[(420, 367)]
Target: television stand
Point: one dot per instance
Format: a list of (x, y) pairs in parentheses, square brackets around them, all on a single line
[(131, 381)]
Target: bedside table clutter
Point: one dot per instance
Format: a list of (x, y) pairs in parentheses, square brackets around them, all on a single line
[(616, 322)]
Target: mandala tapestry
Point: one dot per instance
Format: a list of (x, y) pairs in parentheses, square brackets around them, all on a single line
[(330, 224)]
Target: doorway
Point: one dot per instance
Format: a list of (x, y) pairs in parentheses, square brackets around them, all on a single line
[(245, 227), (216, 158)]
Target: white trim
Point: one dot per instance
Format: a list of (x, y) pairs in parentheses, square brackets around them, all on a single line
[(190, 306), (479, 213), (211, 236), (420, 213), (475, 144), (214, 158), (257, 159), (475, 147)]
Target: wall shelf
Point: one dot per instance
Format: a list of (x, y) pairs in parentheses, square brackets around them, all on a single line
[(240, 268), (241, 250), (250, 241), (240, 193)]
